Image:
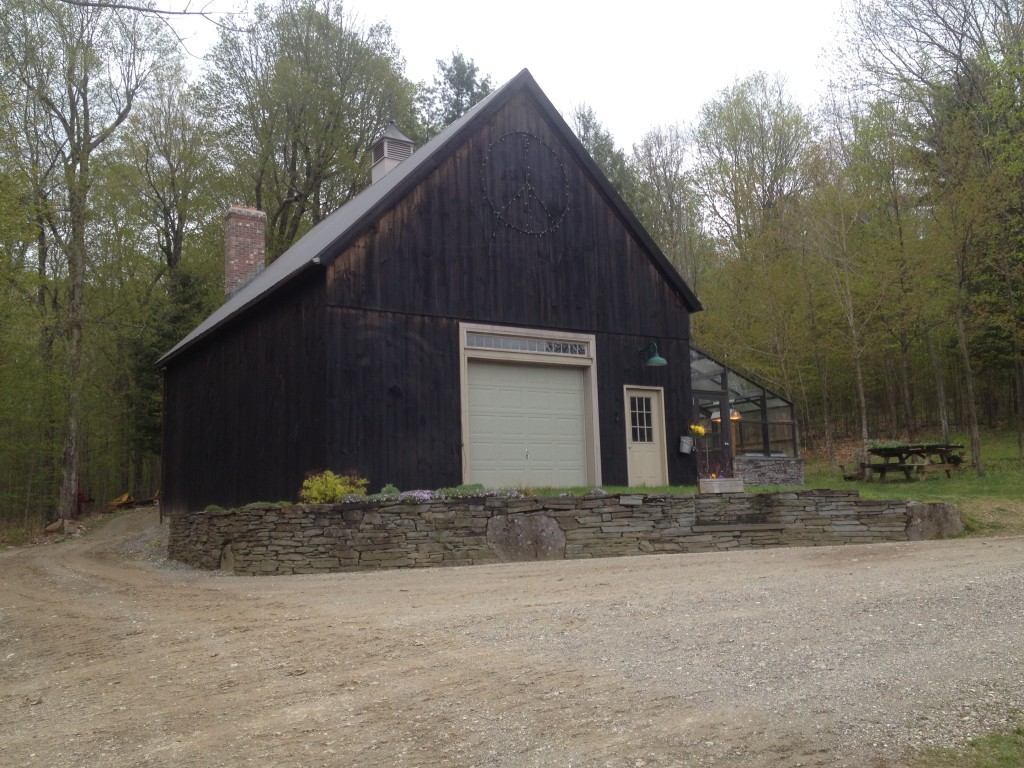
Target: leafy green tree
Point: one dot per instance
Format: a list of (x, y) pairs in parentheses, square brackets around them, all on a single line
[(600, 143), (893, 236), (943, 61), (79, 72), (751, 142), (169, 160), (835, 212), (24, 414), (999, 286), (160, 195), (457, 87), (300, 92)]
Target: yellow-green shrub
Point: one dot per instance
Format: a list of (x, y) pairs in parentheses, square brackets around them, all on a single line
[(329, 488)]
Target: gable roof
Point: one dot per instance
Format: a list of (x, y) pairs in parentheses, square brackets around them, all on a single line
[(332, 235)]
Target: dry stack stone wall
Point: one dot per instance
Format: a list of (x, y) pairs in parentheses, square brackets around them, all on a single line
[(268, 539), (769, 470)]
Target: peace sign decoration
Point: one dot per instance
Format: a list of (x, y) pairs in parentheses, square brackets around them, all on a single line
[(525, 183)]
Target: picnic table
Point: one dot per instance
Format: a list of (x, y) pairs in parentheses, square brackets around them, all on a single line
[(917, 459)]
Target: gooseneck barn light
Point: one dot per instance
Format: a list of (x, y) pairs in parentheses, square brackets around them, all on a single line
[(655, 360)]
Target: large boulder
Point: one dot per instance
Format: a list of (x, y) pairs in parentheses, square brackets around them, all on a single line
[(515, 538), (933, 520)]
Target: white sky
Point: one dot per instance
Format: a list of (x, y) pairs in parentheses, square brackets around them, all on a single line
[(638, 64)]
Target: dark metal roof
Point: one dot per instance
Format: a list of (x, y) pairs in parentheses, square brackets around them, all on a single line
[(329, 238), (392, 132)]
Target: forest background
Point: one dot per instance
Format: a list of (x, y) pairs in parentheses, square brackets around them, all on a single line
[(863, 258)]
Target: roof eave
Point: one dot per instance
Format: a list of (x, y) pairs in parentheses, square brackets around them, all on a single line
[(181, 347)]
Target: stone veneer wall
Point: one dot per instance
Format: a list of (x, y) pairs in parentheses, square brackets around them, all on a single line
[(768, 470), (266, 539)]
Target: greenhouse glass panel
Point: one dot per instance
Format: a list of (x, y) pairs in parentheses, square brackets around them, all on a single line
[(705, 373), (742, 389), (759, 422)]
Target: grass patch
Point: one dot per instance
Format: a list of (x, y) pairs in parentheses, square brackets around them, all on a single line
[(16, 535), (996, 750)]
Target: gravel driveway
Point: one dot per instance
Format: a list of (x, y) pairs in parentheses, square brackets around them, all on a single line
[(833, 656)]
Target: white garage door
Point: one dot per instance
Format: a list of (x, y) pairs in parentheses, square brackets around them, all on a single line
[(526, 425)]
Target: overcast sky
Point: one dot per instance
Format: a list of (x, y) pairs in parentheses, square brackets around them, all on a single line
[(638, 64)]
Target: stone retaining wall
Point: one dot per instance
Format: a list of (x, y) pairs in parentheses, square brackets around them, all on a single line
[(268, 539), (768, 470)]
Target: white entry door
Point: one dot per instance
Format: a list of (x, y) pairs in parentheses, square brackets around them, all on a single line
[(527, 425), (646, 459)]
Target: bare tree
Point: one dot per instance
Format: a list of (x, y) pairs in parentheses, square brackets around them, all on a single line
[(669, 202), (149, 10), (171, 154)]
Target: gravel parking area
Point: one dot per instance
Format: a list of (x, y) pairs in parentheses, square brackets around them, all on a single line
[(833, 656)]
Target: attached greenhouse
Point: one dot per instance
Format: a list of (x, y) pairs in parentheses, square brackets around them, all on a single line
[(749, 431)]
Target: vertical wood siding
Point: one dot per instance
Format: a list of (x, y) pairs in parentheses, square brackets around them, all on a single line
[(620, 365), (244, 411), (393, 394)]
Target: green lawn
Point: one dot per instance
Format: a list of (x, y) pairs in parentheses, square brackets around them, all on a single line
[(996, 750)]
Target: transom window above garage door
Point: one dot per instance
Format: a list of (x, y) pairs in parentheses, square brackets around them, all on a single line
[(527, 344)]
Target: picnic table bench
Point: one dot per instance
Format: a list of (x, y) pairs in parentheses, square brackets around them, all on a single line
[(912, 460)]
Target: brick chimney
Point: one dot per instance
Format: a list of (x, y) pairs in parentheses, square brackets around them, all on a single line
[(244, 246)]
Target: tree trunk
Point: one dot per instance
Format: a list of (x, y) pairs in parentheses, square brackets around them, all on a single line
[(78, 200), (972, 409), (940, 385), (819, 364), (905, 382), (861, 399), (891, 398), (855, 345), (1019, 389), (1017, 382)]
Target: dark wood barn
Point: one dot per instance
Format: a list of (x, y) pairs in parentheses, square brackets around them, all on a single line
[(486, 311)]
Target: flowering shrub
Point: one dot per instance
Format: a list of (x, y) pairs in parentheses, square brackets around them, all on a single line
[(329, 488), (416, 496), (697, 430), (470, 491)]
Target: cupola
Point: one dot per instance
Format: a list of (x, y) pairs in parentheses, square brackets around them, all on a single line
[(388, 151)]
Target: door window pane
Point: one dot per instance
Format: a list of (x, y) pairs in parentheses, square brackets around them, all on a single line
[(641, 420)]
